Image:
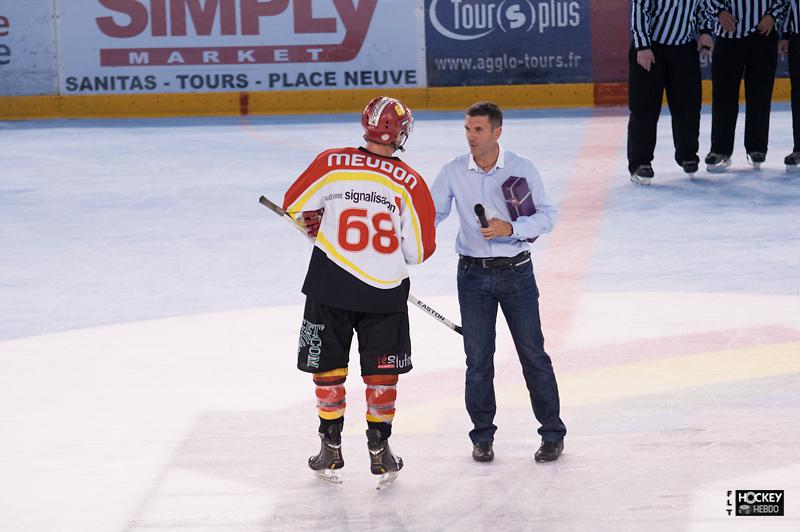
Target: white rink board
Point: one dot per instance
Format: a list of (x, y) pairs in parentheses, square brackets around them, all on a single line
[(238, 45), (27, 49)]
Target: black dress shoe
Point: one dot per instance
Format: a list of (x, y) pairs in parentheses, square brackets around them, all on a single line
[(549, 451), (482, 452)]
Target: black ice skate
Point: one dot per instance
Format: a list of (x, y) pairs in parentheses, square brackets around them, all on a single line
[(382, 461), (329, 461), (690, 168), (643, 174), (756, 159), (792, 162), (716, 162)]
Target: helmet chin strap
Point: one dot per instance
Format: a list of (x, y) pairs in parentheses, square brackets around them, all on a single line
[(400, 146), (392, 144)]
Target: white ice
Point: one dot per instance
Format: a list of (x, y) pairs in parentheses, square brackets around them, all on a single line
[(149, 310)]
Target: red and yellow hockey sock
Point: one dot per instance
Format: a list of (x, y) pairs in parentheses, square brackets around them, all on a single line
[(330, 393), (381, 395)]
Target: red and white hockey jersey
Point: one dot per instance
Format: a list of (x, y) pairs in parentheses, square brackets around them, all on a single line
[(379, 216)]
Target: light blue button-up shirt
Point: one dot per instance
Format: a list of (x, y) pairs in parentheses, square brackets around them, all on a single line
[(465, 182)]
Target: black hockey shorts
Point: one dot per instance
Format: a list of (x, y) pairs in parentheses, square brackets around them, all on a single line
[(384, 342)]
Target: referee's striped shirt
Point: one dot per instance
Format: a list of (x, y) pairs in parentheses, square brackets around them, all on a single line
[(791, 22), (748, 14), (668, 21)]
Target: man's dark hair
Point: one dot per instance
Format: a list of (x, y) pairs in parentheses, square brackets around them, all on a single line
[(490, 109)]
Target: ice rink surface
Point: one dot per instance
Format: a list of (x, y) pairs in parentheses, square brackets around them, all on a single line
[(150, 310)]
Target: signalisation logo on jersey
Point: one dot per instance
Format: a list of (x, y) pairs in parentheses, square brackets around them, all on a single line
[(478, 42)]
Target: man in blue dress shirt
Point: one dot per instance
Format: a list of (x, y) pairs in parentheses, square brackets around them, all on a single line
[(495, 268)]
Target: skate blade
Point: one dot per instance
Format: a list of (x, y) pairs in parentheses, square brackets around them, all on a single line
[(645, 181), (792, 169), (334, 476), (719, 167), (386, 479), (756, 166)]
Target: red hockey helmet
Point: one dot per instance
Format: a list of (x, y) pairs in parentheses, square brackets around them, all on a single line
[(387, 121)]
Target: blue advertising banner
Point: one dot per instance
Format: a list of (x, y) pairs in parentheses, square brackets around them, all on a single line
[(504, 42)]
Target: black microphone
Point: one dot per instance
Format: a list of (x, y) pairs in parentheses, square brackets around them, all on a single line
[(481, 215)]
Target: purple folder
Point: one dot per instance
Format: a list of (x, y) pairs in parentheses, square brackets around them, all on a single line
[(518, 199)]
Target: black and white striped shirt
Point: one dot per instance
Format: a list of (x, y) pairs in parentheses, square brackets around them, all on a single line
[(668, 21), (791, 23), (748, 14)]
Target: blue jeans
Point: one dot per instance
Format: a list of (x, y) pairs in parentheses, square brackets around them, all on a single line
[(514, 288)]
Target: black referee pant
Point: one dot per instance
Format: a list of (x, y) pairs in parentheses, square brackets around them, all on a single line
[(794, 76), (755, 58), (676, 69)]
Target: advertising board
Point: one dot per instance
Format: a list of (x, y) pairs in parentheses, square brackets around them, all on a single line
[(135, 46), (499, 42)]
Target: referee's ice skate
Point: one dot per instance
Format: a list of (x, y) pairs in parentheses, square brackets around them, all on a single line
[(792, 162), (716, 162), (643, 174), (756, 159), (689, 168)]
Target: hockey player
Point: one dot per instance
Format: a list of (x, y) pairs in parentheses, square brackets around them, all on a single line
[(370, 214)]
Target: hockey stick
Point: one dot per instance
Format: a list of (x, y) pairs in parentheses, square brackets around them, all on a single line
[(431, 312), (422, 306), (283, 214)]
